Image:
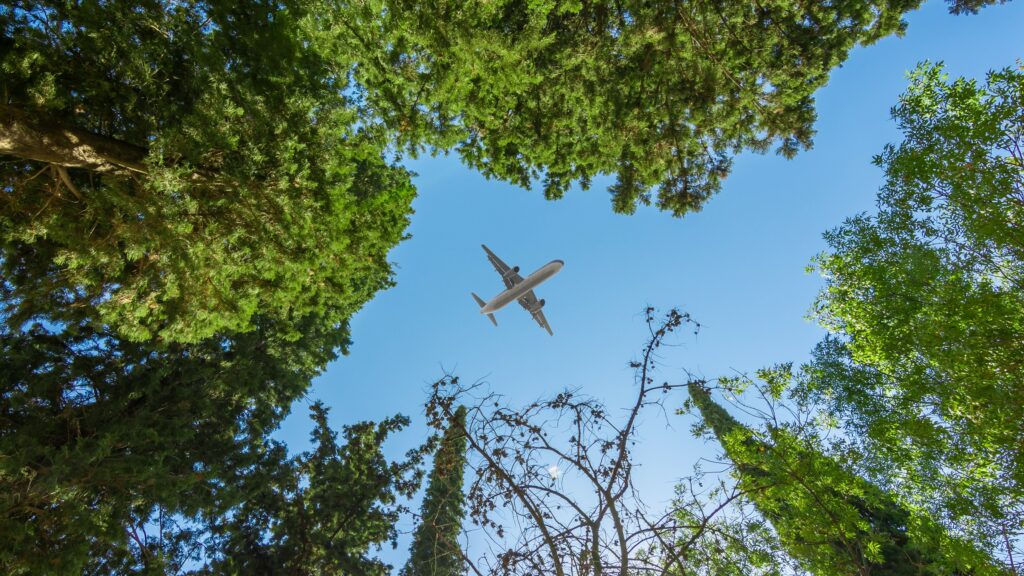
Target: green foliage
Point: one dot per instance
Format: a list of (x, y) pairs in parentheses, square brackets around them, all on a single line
[(435, 549), (661, 94), (256, 511), (97, 432), (926, 304), (164, 302), (168, 292), (320, 512), (971, 6), (731, 542), (263, 189), (828, 518)]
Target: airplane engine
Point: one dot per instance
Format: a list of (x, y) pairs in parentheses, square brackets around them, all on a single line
[(511, 271), (540, 304)]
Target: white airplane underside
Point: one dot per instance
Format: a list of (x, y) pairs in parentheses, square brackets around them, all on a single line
[(519, 289)]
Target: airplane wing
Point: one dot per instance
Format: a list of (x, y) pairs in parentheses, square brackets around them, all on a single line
[(539, 317), (510, 277), (529, 302)]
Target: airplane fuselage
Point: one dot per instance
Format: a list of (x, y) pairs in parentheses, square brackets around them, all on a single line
[(529, 283)]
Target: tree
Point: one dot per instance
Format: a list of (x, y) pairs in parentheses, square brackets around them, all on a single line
[(925, 302), (178, 169), (971, 6), (435, 549), (828, 518), (320, 512), (526, 461), (193, 206), (98, 434), (727, 539), (661, 94), (552, 486)]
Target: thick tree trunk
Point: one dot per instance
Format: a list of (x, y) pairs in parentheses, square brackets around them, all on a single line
[(34, 137)]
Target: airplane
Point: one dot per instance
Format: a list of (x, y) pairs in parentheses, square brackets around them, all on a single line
[(516, 288)]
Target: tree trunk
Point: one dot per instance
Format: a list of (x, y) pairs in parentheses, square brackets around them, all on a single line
[(35, 137)]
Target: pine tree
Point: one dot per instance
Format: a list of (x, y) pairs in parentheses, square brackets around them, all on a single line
[(321, 512), (435, 549), (828, 518)]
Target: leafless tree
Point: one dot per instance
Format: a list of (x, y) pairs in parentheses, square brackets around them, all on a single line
[(552, 491)]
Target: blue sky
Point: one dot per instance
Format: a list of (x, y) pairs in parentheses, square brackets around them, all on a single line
[(738, 266)]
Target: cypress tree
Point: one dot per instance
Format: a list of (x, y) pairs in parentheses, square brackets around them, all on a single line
[(827, 517), (435, 549)]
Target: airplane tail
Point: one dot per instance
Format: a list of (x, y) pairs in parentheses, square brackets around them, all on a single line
[(481, 303)]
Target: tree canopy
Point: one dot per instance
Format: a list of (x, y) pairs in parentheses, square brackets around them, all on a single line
[(179, 169), (660, 94), (96, 431), (203, 499), (926, 306), (193, 206), (197, 196), (322, 511)]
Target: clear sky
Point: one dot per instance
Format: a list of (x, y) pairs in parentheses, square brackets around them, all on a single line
[(738, 266)]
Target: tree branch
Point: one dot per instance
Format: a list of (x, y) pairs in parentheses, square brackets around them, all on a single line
[(33, 136)]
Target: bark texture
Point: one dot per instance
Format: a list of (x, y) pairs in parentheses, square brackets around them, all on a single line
[(36, 137)]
